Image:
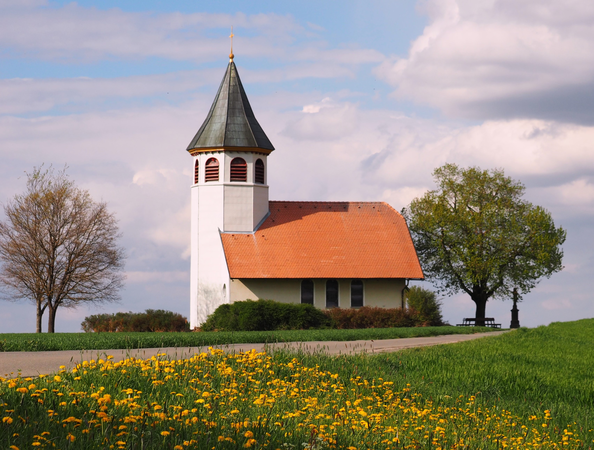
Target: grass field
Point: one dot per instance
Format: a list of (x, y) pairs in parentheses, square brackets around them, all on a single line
[(31, 342), (525, 389)]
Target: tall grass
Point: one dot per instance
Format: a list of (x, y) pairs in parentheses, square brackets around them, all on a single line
[(103, 341)]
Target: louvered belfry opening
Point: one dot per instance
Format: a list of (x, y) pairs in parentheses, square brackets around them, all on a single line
[(211, 170), (196, 172), (238, 169), (259, 172)]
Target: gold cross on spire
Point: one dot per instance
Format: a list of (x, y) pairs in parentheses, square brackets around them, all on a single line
[(231, 54)]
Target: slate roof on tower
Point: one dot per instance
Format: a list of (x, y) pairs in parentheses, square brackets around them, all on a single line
[(325, 240), (231, 121)]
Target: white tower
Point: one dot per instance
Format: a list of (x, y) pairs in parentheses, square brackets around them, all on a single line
[(229, 190)]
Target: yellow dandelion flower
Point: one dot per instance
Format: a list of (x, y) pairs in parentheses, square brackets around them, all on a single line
[(165, 433), (249, 443), (7, 420), (249, 434)]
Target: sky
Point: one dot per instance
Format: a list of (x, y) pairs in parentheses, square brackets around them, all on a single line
[(362, 101)]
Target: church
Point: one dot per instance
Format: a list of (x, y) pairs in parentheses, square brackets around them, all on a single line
[(245, 246)]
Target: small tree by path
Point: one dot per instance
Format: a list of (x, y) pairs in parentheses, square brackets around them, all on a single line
[(58, 247)]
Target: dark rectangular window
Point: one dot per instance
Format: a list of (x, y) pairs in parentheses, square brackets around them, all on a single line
[(356, 294), (307, 292), (331, 294)]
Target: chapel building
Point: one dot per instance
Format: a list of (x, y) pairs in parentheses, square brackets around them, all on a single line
[(244, 246)]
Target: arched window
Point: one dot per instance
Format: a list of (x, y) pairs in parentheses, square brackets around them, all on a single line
[(259, 171), (238, 169), (196, 172), (331, 294), (307, 292), (211, 170), (356, 294)]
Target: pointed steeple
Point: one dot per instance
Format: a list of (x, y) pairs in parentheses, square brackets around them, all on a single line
[(231, 122)]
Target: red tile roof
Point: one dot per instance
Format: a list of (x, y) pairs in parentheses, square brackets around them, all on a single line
[(325, 240)]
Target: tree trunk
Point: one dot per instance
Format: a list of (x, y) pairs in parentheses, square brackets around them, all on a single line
[(39, 316), (479, 298), (51, 319), (481, 306)]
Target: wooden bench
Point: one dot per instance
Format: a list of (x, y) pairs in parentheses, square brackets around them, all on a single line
[(471, 322)]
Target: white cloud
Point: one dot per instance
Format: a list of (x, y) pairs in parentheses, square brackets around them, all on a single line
[(323, 121), (315, 107), (20, 4), (25, 95), (73, 33), (502, 59), (556, 304), (157, 277)]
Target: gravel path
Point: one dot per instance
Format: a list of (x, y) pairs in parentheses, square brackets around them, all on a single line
[(31, 364)]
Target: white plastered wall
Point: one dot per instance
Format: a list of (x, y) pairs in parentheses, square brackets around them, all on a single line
[(377, 292), (220, 206)]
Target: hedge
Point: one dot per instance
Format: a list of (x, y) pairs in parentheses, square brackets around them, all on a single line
[(151, 320)]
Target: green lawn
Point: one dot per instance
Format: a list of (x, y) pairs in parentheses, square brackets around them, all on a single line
[(18, 342)]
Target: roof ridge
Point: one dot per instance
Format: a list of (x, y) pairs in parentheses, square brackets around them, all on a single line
[(329, 201), (242, 94)]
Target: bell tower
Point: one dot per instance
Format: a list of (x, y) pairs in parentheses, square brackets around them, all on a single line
[(229, 192)]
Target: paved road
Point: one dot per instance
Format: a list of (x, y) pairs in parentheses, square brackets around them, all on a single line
[(30, 364)]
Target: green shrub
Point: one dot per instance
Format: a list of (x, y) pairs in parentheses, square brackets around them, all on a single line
[(151, 320), (367, 317), (265, 315), (426, 304)]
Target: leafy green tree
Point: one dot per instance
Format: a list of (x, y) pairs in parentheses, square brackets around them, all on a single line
[(426, 304), (476, 234)]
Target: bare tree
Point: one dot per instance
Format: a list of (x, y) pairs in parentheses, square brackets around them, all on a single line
[(58, 247)]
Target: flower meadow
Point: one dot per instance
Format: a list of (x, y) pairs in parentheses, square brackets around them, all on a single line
[(218, 400)]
